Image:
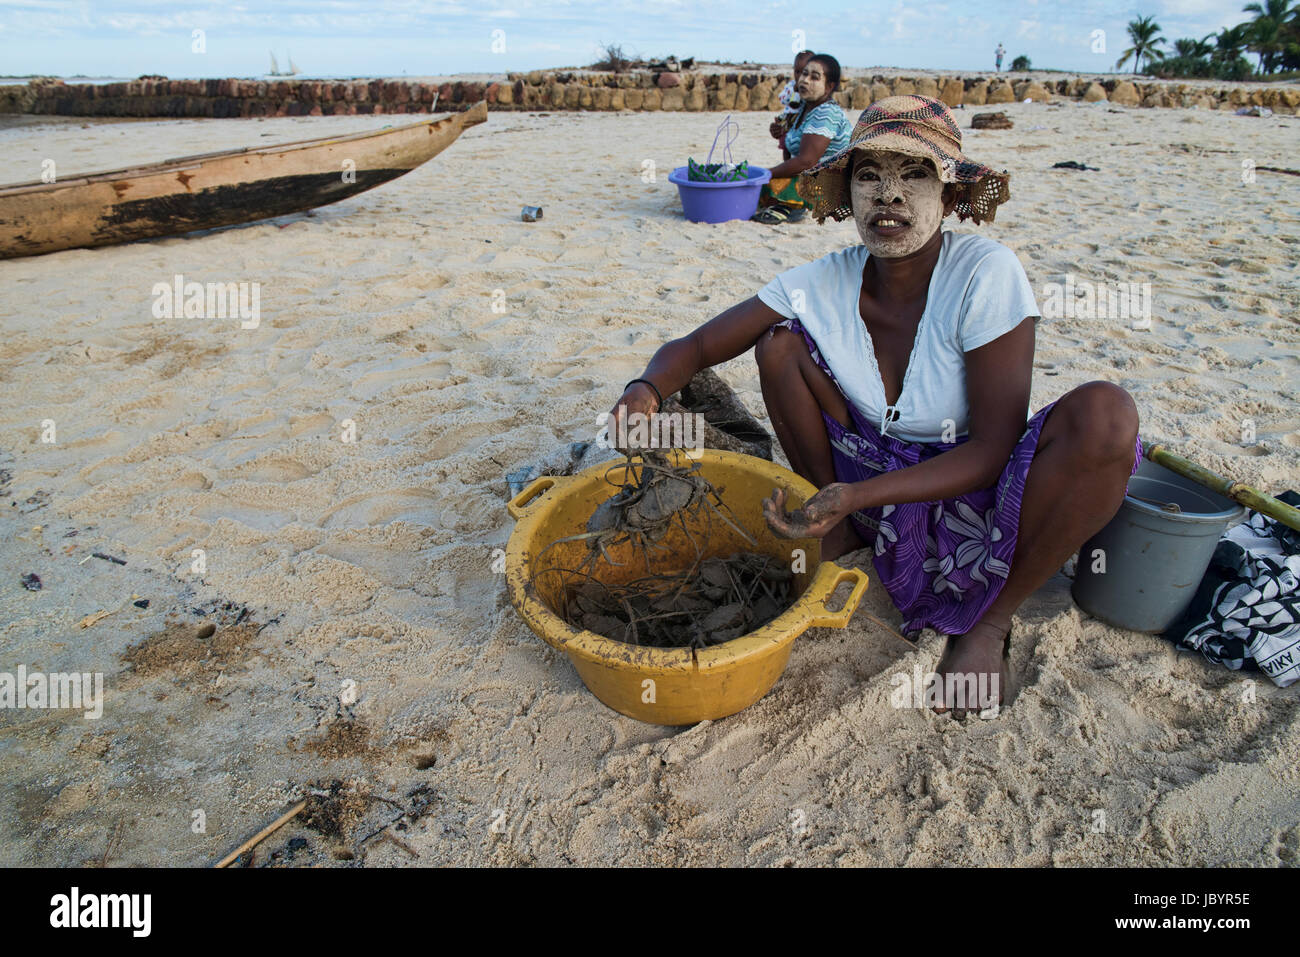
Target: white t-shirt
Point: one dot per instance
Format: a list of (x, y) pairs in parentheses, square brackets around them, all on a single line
[(978, 292)]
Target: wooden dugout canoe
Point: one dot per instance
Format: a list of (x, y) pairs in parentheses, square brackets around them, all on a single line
[(215, 189)]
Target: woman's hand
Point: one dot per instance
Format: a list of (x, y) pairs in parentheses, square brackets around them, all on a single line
[(638, 398), (775, 129), (811, 149), (818, 516), (726, 336)]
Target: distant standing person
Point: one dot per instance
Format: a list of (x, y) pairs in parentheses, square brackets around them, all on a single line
[(819, 129), (998, 54), (790, 100)]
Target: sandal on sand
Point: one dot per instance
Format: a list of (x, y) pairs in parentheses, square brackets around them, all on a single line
[(777, 215)]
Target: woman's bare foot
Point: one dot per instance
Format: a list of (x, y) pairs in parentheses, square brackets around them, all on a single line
[(972, 671), (841, 540)]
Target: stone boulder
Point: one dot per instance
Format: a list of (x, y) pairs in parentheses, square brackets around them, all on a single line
[(1094, 92), (1125, 94), (1001, 93), (953, 92), (1032, 90)]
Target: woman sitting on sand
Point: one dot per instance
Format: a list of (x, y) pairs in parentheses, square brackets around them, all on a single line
[(896, 375), (818, 129)]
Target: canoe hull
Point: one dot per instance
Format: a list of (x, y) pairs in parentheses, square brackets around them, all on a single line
[(221, 189), (226, 205)]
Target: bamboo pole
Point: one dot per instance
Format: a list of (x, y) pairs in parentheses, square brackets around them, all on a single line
[(263, 834), (1241, 494)]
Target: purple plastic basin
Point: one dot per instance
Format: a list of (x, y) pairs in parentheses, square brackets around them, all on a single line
[(719, 202)]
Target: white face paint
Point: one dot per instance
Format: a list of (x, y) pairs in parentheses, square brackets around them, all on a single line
[(904, 189), (811, 82)]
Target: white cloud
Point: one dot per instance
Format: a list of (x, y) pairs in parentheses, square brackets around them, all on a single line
[(1027, 30), (898, 19)]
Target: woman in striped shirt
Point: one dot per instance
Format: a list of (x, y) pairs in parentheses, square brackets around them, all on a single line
[(818, 131)]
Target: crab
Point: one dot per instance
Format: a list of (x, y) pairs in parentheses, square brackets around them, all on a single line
[(657, 493), (648, 505), (712, 602)]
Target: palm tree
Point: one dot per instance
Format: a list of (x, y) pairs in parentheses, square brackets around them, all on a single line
[(1193, 49), (1290, 58), (1191, 58), (1268, 31), (1230, 42), (1144, 34)]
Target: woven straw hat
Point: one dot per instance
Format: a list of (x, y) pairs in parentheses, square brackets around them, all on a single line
[(917, 126)]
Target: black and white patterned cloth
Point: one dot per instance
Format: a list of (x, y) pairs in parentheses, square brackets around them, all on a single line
[(1246, 611)]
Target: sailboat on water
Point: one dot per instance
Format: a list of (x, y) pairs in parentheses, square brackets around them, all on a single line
[(276, 71)]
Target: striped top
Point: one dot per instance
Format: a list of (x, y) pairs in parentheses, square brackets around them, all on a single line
[(828, 120)]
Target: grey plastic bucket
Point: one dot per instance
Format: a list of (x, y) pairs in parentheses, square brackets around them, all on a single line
[(1153, 559)]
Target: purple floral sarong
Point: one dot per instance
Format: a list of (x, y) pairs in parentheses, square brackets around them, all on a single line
[(943, 563)]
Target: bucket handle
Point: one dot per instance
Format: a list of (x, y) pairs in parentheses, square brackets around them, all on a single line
[(518, 506), (732, 129), (829, 577)]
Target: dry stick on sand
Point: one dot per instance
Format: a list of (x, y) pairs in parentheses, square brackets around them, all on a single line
[(383, 832), (114, 839), (396, 841), (262, 835), (885, 625), (1190, 148)]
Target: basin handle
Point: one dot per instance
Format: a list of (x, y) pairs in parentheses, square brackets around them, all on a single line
[(829, 577), (518, 505)]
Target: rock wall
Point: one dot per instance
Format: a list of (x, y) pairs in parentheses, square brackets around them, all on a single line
[(584, 90)]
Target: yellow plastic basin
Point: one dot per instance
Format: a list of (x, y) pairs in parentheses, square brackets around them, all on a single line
[(671, 686)]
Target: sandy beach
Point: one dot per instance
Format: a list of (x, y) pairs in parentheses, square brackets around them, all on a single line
[(337, 474)]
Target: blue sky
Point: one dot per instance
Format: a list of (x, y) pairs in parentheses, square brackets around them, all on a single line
[(421, 37)]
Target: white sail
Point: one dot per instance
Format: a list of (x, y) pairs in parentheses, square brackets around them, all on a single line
[(293, 70), (275, 67)]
